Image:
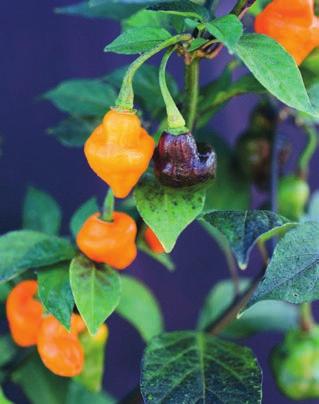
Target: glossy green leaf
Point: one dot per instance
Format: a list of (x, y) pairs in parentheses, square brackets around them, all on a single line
[(96, 291), (139, 306), (41, 212), (77, 394), (262, 317), (227, 29), (164, 259), (242, 229), (8, 350), (167, 211), (3, 398), (191, 367), (79, 217), (183, 8), (275, 69), (38, 383), (21, 250), (138, 40), (55, 292), (82, 97), (73, 131), (91, 376), (292, 274), (258, 6)]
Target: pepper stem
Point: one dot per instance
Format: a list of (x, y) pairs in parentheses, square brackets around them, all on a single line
[(308, 151), (108, 207), (175, 121), (192, 92), (125, 100), (306, 317)]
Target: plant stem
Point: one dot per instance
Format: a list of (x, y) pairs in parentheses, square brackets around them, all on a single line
[(306, 155), (192, 92), (175, 121), (241, 7), (228, 315), (274, 174), (108, 207), (125, 100), (306, 318)]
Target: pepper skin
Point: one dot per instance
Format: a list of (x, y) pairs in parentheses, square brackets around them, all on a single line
[(291, 23), (60, 350), (180, 162), (153, 242), (293, 194), (24, 313), (119, 151), (111, 243)]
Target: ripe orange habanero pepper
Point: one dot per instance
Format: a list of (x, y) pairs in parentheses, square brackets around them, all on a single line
[(24, 313), (119, 151), (111, 243), (153, 242), (60, 350), (291, 23)]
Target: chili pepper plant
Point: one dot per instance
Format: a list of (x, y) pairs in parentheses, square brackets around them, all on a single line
[(150, 142)]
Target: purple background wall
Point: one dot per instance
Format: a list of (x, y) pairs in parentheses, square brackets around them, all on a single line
[(38, 50)]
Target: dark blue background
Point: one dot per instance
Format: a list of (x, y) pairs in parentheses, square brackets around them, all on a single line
[(38, 50)]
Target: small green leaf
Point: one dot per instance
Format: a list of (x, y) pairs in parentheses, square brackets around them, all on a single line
[(38, 383), (183, 8), (191, 367), (96, 291), (79, 217), (78, 394), (8, 350), (55, 292), (3, 398), (264, 316), (73, 131), (292, 274), (275, 69), (227, 30), (167, 211), (138, 40), (196, 44), (164, 259), (140, 308), (91, 376), (21, 250), (41, 212), (82, 97), (242, 229)]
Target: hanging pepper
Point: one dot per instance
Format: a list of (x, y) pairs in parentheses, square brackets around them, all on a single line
[(291, 23), (60, 350), (24, 313), (110, 242), (153, 242), (119, 151)]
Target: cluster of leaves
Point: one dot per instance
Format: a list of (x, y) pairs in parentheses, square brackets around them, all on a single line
[(190, 364)]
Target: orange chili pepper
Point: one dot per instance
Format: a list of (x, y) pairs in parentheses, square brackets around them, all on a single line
[(60, 350), (119, 151), (24, 313), (112, 243), (291, 23), (153, 242)]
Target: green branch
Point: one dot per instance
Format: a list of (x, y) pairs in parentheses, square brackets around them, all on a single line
[(192, 92)]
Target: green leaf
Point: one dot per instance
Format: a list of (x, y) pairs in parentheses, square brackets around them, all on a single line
[(313, 208), (227, 30), (4, 291), (73, 131), (292, 274), (21, 250), (258, 6), (55, 292), (190, 367), (39, 384), (77, 394), (96, 291), (79, 217), (82, 97), (275, 69), (41, 212), (167, 211), (91, 376), (3, 398), (183, 8), (138, 40), (264, 316), (139, 307), (8, 350), (242, 229), (164, 259)]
